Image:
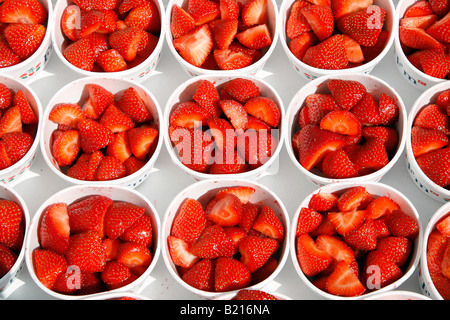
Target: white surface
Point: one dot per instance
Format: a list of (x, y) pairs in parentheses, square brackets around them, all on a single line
[(160, 187)]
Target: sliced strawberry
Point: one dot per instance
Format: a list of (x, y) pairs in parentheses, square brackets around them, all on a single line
[(353, 50), (372, 156), (80, 54), (115, 120), (145, 17), (265, 109), (223, 133), (195, 45), (119, 216), (181, 22), (326, 227), (256, 146), (402, 225), (374, 51), (328, 54), (230, 274), (337, 165), (229, 60), (380, 207), (203, 11), (228, 161), (432, 117), (7, 56), (249, 213), (17, 144), (65, 147), (86, 251), (201, 275), (126, 41), (227, 211), (190, 221), (255, 251), (444, 226), (7, 260), (207, 96), (111, 61), (224, 32), (300, 44), (422, 22), (78, 170), (116, 275), (363, 237), (91, 21), (343, 282), (439, 30), (94, 162), (242, 89), (180, 252), (434, 63), (256, 124), (229, 9), (346, 93), (367, 110), (24, 39), (440, 7), (26, 11), (141, 141), (269, 224), (5, 162), (99, 99), (71, 22), (397, 249), (93, 135), (134, 255), (434, 165), (342, 122), (344, 7), (418, 39), (189, 114), (317, 105), (420, 8), (380, 271), (243, 193), (297, 24), (236, 113), (257, 37), (254, 12), (308, 220), (312, 260), (110, 168), (11, 217), (213, 242), (323, 201), (11, 121), (320, 19), (339, 250), (68, 114), (352, 198), (48, 265), (133, 106), (347, 221), (425, 140)]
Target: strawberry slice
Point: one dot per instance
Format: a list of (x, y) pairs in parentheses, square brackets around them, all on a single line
[(133, 106), (254, 295), (134, 255), (24, 39), (380, 207), (227, 211), (256, 146), (99, 99), (256, 124), (243, 193), (126, 41), (80, 54), (86, 251), (189, 222), (180, 252), (432, 117), (111, 61), (91, 21), (344, 7), (145, 17), (300, 44), (363, 237), (195, 45), (189, 114), (11, 121), (203, 11), (339, 250), (444, 226), (110, 168), (342, 122), (353, 50), (434, 63), (264, 109), (343, 282), (17, 144), (418, 39), (249, 213), (115, 120), (119, 216), (236, 113), (26, 111), (228, 59), (93, 135), (213, 242), (224, 32), (347, 221), (181, 22), (337, 165), (425, 140), (48, 265), (346, 93), (139, 232), (65, 147), (116, 275), (308, 220), (230, 274), (25, 11), (229, 9), (420, 8), (423, 22), (434, 165), (269, 224), (201, 275), (242, 89), (71, 22), (402, 225), (352, 198), (7, 260), (254, 12), (320, 19), (440, 7), (256, 251), (11, 218), (7, 56), (67, 114), (208, 97), (6, 97), (440, 29), (297, 24), (397, 249), (381, 270), (141, 141), (312, 260), (322, 201), (222, 132), (257, 37), (328, 54)]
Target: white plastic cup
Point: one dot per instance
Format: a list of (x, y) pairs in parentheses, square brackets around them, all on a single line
[(420, 179), (12, 174), (74, 92), (412, 75), (205, 190), (253, 69), (311, 73), (116, 193), (375, 86), (425, 282), (186, 90), (29, 69), (375, 188), (398, 295), (138, 73), (10, 281)]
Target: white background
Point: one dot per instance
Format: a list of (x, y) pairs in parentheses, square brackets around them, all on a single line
[(160, 187)]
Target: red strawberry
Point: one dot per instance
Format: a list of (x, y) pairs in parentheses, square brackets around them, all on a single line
[(397, 249), (227, 211), (11, 121), (352, 198), (65, 147), (301, 43), (380, 207), (91, 21), (119, 216), (181, 22), (425, 140), (201, 275), (236, 113), (264, 109), (134, 255), (254, 295), (374, 51), (343, 282), (317, 106), (224, 32), (207, 96), (242, 89), (256, 124), (230, 60), (436, 246), (78, 170), (47, 266), (54, 230), (243, 193), (111, 61), (99, 99), (256, 146), (434, 164), (86, 251), (141, 141), (422, 22), (80, 54), (180, 252), (320, 18), (145, 16), (230, 274), (312, 260), (7, 56), (443, 226), (308, 220), (115, 120), (132, 165), (189, 114), (255, 251), (269, 224), (353, 50), (68, 114), (367, 110), (443, 100), (96, 5), (93, 135), (322, 201), (339, 250), (344, 7), (7, 260), (342, 122), (362, 238), (190, 221), (222, 132), (337, 165), (257, 37), (432, 117), (88, 214), (6, 96), (133, 106), (329, 54), (420, 8), (254, 12), (297, 24), (249, 213), (229, 9), (203, 11), (228, 161), (445, 264), (265, 271), (347, 221), (127, 5), (371, 156), (116, 275), (126, 41), (213, 242), (417, 38), (326, 227), (380, 271), (434, 63), (24, 11), (17, 144), (24, 39), (440, 7), (388, 135), (402, 225), (346, 93), (140, 231), (94, 162), (440, 29), (11, 216), (195, 45), (71, 22)]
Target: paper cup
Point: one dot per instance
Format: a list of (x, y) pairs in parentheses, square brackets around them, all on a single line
[(253, 69), (375, 86), (398, 295), (411, 74), (185, 92), (205, 190), (116, 193), (13, 173), (378, 189), (28, 70), (74, 92), (425, 281), (311, 73), (139, 73), (420, 179), (9, 281)]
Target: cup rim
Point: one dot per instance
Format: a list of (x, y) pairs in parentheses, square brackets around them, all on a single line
[(206, 186), (96, 189), (117, 74), (202, 176), (366, 67), (124, 180), (408, 294), (251, 69), (334, 187), (369, 177)]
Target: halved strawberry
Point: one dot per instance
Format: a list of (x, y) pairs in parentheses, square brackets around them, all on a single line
[(256, 124), (301, 43), (99, 99), (352, 198), (80, 54), (195, 45), (111, 61), (420, 8), (71, 22), (312, 260), (7, 56), (236, 113), (322, 201), (371, 156), (227, 211), (344, 7), (93, 135), (397, 249), (223, 133), (145, 17), (7, 260), (203, 11), (432, 117), (434, 164), (189, 222), (417, 38), (353, 50), (380, 207), (110, 168), (256, 251), (422, 22), (439, 30), (342, 122), (257, 37), (24, 39), (180, 252), (254, 12), (181, 22), (347, 221), (133, 255), (363, 237), (207, 96), (230, 274), (201, 275), (339, 250), (116, 275), (229, 9), (86, 251), (320, 19), (213, 242), (265, 109), (189, 114), (346, 93), (141, 141), (65, 147), (269, 224), (24, 11), (297, 24), (11, 121), (374, 51), (48, 265), (115, 120), (228, 59), (133, 106), (425, 140), (224, 32), (317, 105), (328, 54), (11, 217), (337, 165), (91, 21), (367, 110), (17, 144), (308, 220), (444, 226), (242, 89), (126, 41), (140, 231), (380, 271), (119, 216), (243, 193), (343, 282), (68, 114), (402, 225), (434, 63), (249, 213)]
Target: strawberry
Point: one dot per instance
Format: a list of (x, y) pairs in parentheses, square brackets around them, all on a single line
[(434, 63), (297, 24), (243, 193), (434, 164), (352, 199), (380, 207), (189, 222), (329, 54), (245, 294), (363, 26), (180, 252), (344, 7), (388, 109), (48, 265), (255, 251), (257, 37), (99, 99), (367, 110), (440, 29), (417, 38), (265, 271), (127, 5), (24, 11), (98, 42), (86, 251), (380, 271), (68, 114), (353, 50), (195, 45), (80, 54), (203, 11), (189, 114), (308, 220), (312, 260), (443, 226), (133, 106), (321, 20), (228, 161), (363, 237), (11, 121), (342, 122), (139, 232), (145, 16), (436, 247), (126, 41), (96, 5), (213, 242), (337, 165), (133, 165), (346, 93), (230, 60), (316, 143), (420, 8), (207, 96), (249, 213), (119, 216), (134, 255), (95, 160), (269, 224), (227, 211), (443, 100), (236, 113), (422, 22), (115, 120), (65, 147), (224, 32), (339, 250), (445, 264), (222, 132), (7, 260), (301, 43), (141, 141), (201, 275), (78, 171), (111, 61), (322, 201), (372, 156), (116, 275), (93, 135), (54, 229), (7, 56), (432, 117), (374, 51), (347, 221), (11, 216), (230, 274), (88, 214), (256, 124), (265, 109), (229, 9), (317, 105), (17, 144), (6, 96), (71, 22), (256, 146), (397, 249), (343, 282), (440, 7), (254, 12), (181, 21), (425, 140), (242, 89), (402, 225), (91, 21), (24, 39)]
